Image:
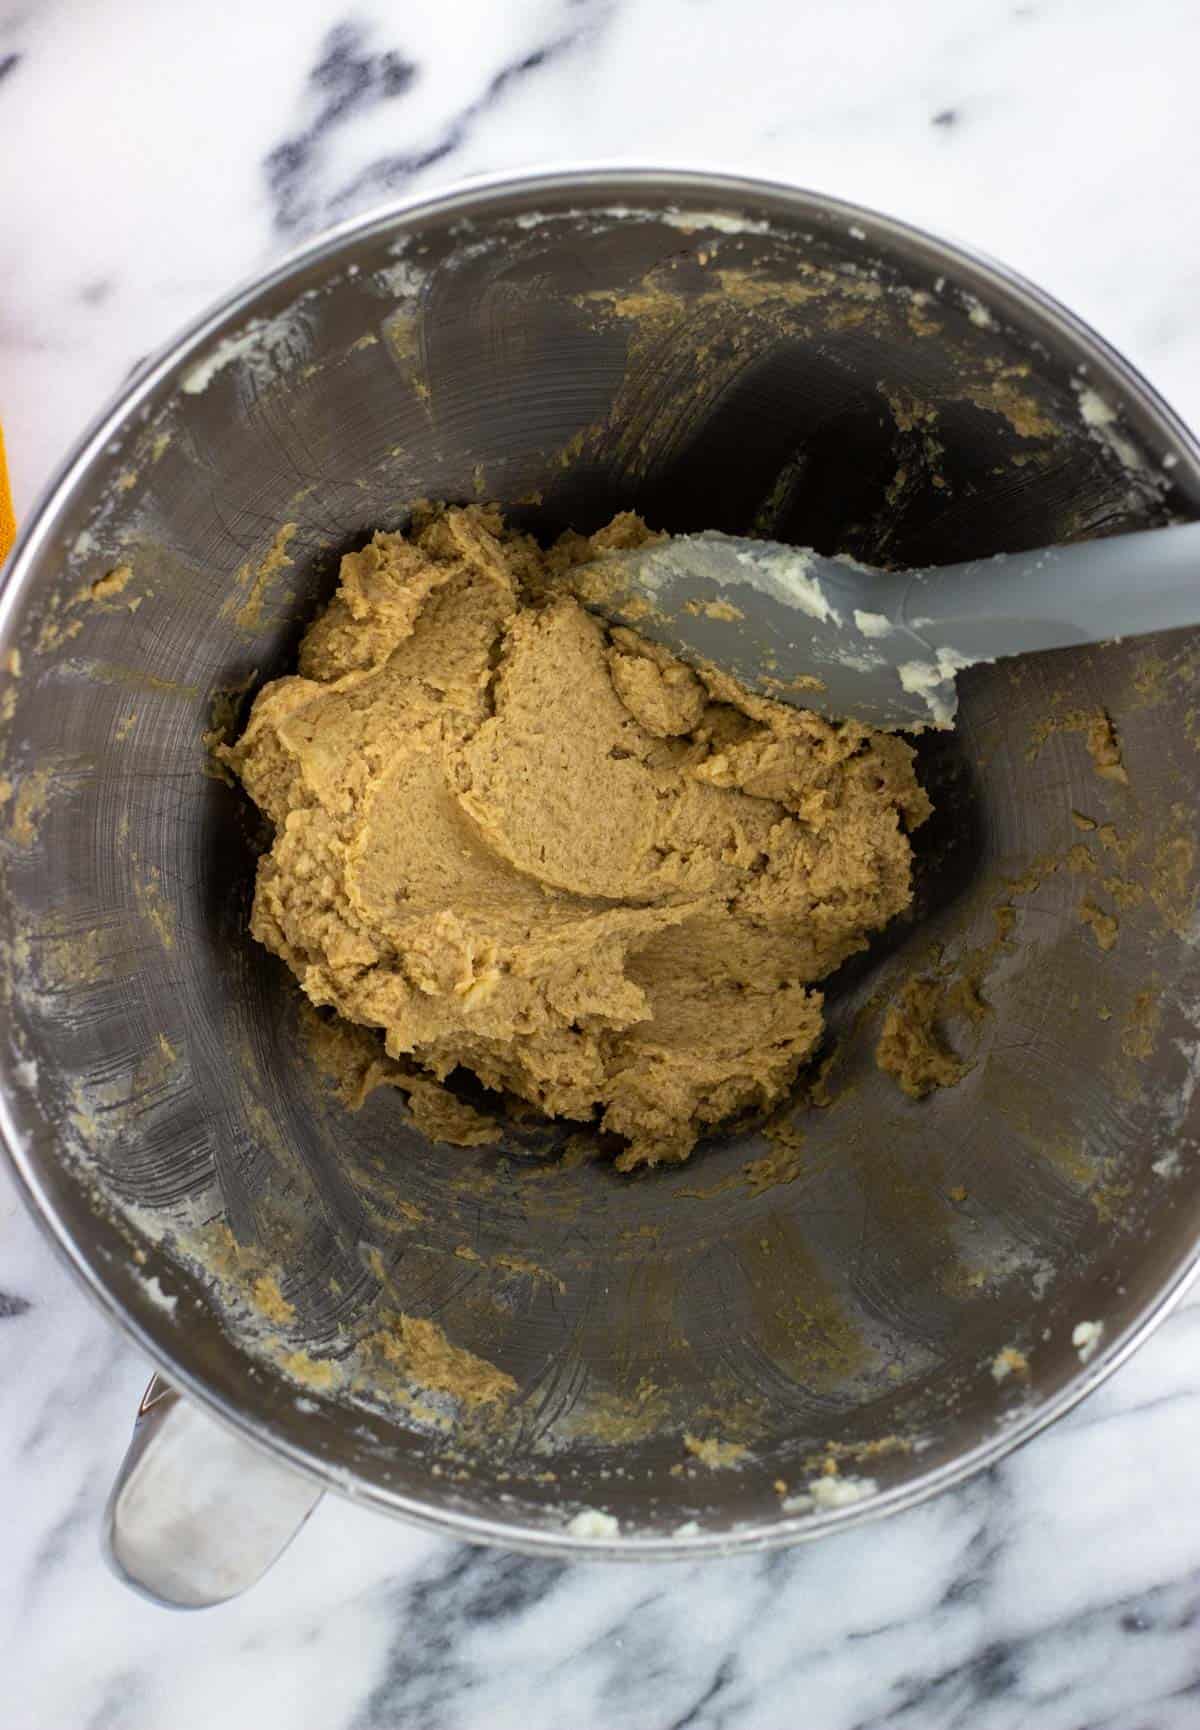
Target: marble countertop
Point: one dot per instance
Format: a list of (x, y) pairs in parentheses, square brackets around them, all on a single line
[(152, 158)]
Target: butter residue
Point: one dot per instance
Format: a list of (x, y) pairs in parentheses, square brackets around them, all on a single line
[(714, 1453), (421, 1351), (269, 1300), (875, 625), (1009, 1361), (155, 908), (255, 582), (593, 1523), (911, 1046), (929, 680), (29, 806), (1086, 1337), (1100, 735), (1104, 926), (826, 1493), (265, 349), (112, 584)]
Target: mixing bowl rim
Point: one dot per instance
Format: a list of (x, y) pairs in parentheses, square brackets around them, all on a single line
[(158, 1339)]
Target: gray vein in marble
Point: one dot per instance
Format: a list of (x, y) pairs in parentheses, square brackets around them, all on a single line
[(349, 81), (422, 1671)]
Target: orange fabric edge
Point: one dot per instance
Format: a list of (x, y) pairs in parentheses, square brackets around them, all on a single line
[(8, 522)]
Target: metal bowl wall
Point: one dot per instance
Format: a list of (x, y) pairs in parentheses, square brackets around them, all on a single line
[(712, 353)]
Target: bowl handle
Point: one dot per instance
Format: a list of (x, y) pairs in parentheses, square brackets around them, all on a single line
[(197, 1514)]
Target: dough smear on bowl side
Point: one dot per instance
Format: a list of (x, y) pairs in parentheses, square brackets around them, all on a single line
[(521, 843)]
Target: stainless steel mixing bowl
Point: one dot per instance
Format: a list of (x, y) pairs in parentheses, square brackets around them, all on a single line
[(890, 1285)]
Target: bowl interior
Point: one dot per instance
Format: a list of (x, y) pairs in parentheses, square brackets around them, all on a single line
[(840, 1282)]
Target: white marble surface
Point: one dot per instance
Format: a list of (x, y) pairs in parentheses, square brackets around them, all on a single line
[(153, 154)]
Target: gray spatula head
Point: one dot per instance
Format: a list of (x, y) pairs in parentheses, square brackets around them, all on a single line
[(884, 646), (825, 634)]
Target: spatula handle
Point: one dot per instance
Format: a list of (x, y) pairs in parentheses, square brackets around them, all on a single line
[(1088, 592)]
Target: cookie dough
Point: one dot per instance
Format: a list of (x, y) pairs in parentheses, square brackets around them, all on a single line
[(911, 1047), (523, 844)]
